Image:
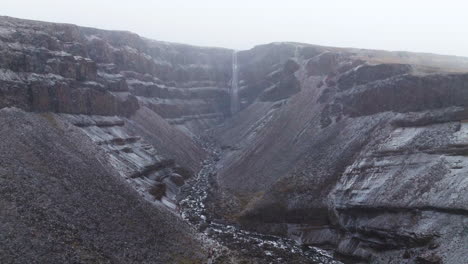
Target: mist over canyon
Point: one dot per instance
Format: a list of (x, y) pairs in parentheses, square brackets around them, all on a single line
[(120, 149)]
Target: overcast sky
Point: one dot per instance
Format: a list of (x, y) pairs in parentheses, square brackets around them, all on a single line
[(412, 25)]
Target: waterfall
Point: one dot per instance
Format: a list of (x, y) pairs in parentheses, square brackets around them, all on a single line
[(234, 92)]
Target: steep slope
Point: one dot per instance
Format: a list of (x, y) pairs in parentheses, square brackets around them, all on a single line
[(364, 157), (75, 178), (123, 91), (63, 202)]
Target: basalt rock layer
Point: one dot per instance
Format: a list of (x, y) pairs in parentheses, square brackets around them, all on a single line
[(363, 152), (87, 138), (367, 158)]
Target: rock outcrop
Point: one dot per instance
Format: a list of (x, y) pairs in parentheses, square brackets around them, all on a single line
[(87, 140), (62, 201), (367, 158), (69, 69)]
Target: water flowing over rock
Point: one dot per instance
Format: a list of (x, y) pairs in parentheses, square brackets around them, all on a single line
[(120, 149), (234, 92)]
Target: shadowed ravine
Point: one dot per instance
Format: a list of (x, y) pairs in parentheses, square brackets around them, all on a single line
[(252, 246)]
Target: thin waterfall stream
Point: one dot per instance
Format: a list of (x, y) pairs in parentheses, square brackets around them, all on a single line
[(234, 92)]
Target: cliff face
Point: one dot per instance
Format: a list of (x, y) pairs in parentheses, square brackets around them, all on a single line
[(367, 158), (360, 151), (86, 126), (121, 90), (63, 202), (69, 69)]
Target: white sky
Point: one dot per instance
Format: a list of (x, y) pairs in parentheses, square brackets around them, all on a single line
[(413, 25)]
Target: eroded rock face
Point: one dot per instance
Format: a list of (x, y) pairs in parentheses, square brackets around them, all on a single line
[(74, 70), (267, 71), (62, 201), (367, 159), (284, 82), (93, 142)]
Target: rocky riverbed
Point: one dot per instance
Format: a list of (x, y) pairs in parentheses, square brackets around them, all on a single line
[(229, 241)]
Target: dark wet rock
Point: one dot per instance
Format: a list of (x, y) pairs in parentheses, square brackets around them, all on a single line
[(406, 254), (74, 67), (322, 64), (62, 98), (177, 179), (428, 258), (290, 67), (204, 227), (284, 84), (407, 93), (262, 68), (158, 165), (158, 190), (369, 73), (433, 245)]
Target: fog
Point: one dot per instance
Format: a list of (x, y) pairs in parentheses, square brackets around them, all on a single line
[(417, 25)]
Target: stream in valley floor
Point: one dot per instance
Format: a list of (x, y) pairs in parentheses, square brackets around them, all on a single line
[(249, 247)]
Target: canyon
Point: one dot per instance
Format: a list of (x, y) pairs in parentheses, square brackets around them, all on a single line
[(121, 149)]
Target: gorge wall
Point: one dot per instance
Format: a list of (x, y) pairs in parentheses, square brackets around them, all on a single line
[(365, 157), (363, 152)]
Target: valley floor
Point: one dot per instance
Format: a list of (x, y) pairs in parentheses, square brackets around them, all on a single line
[(230, 243)]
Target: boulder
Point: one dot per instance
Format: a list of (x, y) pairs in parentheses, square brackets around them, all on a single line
[(158, 190), (177, 179)]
